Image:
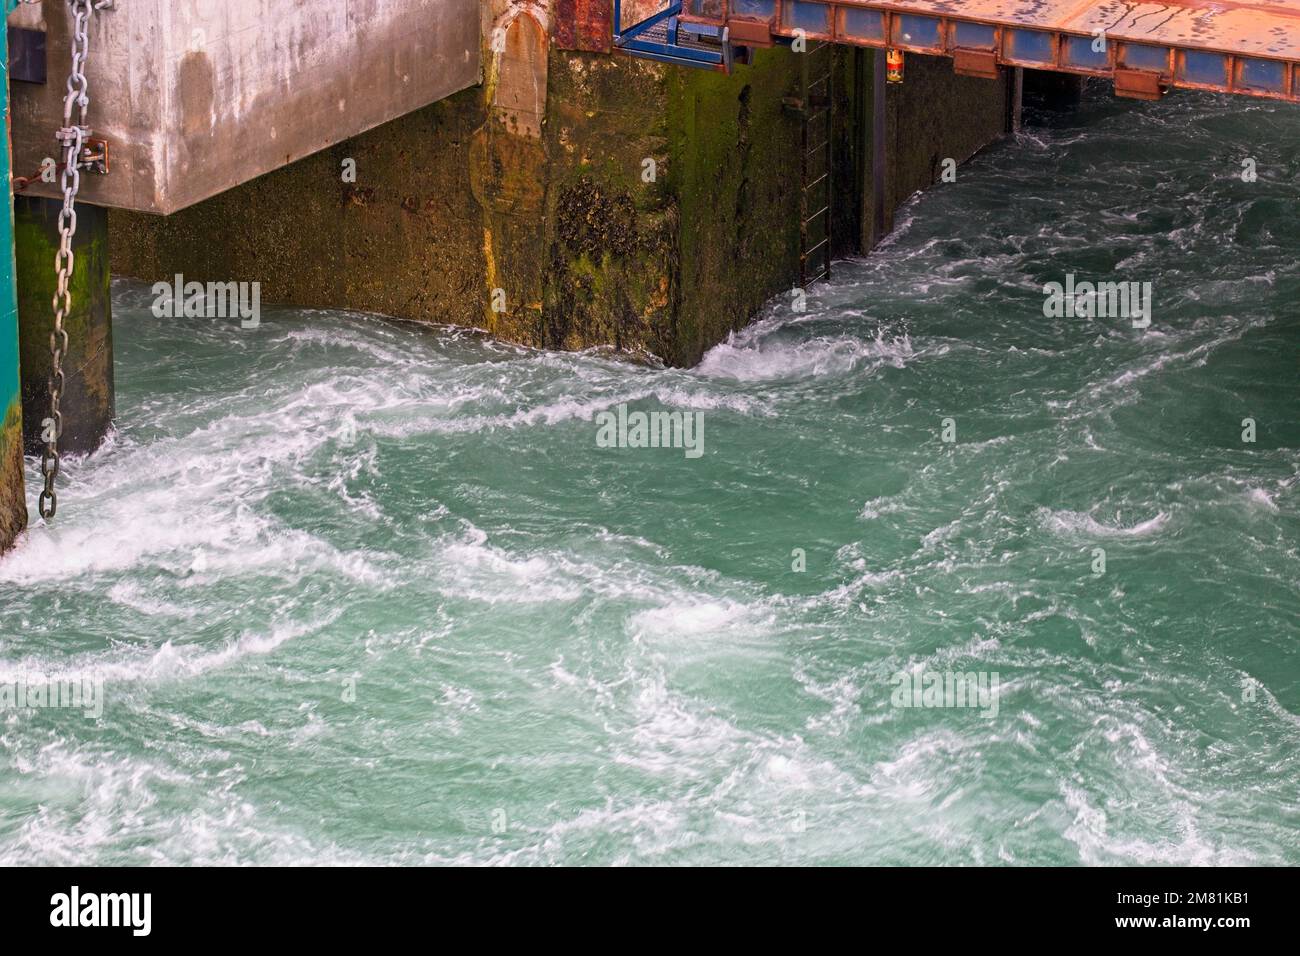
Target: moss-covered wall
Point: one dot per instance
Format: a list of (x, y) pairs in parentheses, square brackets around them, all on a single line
[(588, 248), (737, 180), (406, 238), (646, 207), (933, 115), (87, 401), (13, 504), (610, 255)]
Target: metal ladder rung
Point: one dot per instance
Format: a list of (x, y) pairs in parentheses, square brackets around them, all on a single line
[(815, 215), (817, 199)]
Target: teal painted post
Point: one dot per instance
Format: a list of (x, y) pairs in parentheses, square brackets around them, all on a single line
[(13, 502)]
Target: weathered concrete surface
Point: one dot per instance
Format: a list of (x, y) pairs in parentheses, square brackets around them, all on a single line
[(87, 401), (1054, 91), (473, 194), (851, 151), (933, 115), (737, 151), (196, 97), (13, 504), (574, 200)]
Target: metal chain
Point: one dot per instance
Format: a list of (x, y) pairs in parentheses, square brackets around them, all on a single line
[(73, 138)]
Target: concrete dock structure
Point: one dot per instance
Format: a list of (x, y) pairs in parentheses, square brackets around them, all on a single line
[(197, 97), (186, 101), (557, 172), (502, 165), (576, 199), (88, 399)]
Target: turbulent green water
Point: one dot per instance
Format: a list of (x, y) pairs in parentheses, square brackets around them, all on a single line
[(566, 653)]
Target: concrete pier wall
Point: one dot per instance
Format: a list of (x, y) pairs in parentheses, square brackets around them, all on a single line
[(200, 96), (934, 115), (87, 400), (573, 200)]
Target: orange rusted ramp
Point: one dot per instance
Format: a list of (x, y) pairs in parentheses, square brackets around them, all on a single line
[(1251, 48)]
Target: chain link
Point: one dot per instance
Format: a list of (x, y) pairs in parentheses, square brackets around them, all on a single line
[(73, 137)]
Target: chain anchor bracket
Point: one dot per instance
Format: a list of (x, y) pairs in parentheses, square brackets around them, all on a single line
[(94, 152), (94, 156)]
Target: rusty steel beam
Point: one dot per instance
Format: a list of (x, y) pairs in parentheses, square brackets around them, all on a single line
[(1246, 48), (585, 25)]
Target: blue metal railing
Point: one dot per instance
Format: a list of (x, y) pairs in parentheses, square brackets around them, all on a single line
[(666, 46), (672, 10)]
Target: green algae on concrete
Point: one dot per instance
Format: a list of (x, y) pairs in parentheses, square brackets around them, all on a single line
[(672, 215), (933, 115), (586, 245), (87, 401), (13, 503), (611, 257), (738, 178), (653, 209), (403, 237)]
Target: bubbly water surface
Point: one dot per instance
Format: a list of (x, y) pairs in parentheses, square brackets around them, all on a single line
[(364, 591)]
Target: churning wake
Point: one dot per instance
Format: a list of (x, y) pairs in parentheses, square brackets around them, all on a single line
[(363, 591)]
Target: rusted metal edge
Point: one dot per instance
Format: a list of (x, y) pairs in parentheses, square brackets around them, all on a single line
[(583, 25), (1139, 69)]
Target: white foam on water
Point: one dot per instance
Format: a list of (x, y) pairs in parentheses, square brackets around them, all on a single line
[(476, 570), (416, 421), (747, 360), (100, 806), (1260, 496), (627, 704), (1078, 523), (170, 661), (876, 507), (87, 801), (134, 595), (1125, 388), (693, 618), (1092, 831)]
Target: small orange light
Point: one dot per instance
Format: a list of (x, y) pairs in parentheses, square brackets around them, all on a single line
[(894, 65)]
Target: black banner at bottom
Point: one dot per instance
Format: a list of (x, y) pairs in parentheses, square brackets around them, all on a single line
[(333, 906)]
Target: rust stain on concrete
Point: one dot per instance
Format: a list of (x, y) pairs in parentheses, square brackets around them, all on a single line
[(519, 99), (197, 93)]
